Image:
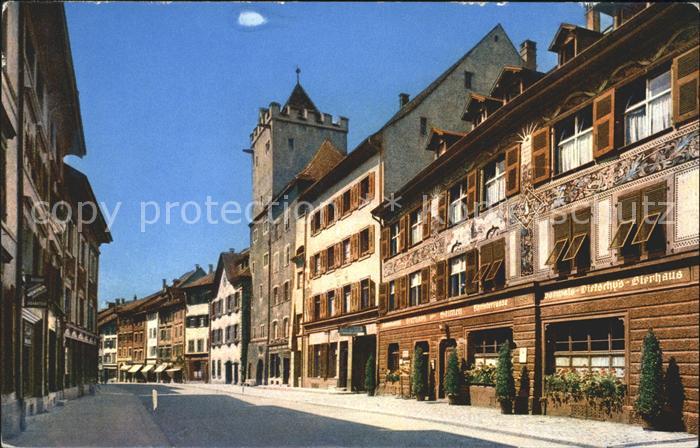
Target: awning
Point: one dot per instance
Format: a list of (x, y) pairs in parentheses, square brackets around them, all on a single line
[(135, 369), (124, 367), (147, 367), (174, 369), (160, 368)]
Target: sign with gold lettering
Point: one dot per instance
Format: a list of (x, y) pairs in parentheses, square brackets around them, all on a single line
[(448, 314), (628, 284)]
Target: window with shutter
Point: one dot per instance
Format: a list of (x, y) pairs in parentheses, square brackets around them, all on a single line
[(372, 186), (383, 306), (562, 241), (323, 265), (441, 218), (355, 196), (355, 246), (686, 80), (425, 285), (403, 233), (370, 242), (604, 123), (403, 296), (540, 156), (440, 279), (628, 213), (355, 298), (472, 192), (651, 234), (496, 275), (578, 252), (486, 256), (513, 171)]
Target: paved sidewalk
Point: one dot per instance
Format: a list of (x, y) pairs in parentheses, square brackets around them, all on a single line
[(111, 417), (542, 430)]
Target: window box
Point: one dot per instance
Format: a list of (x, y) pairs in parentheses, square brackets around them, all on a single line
[(584, 410), (482, 396)]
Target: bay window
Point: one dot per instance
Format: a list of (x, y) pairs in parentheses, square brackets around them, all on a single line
[(648, 107), (574, 141)]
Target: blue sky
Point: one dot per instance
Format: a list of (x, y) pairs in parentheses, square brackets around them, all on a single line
[(170, 93)]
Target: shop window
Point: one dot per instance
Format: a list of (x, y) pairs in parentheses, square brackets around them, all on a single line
[(347, 297), (392, 295), (495, 181), (416, 227), (395, 234), (587, 345), (574, 137), (641, 223), (366, 298), (330, 303), (414, 292), (458, 202), (647, 106), (484, 345), (316, 372), (571, 241), (458, 276), (392, 361), (332, 359)]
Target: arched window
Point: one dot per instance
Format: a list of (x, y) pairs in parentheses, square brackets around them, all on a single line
[(274, 330)]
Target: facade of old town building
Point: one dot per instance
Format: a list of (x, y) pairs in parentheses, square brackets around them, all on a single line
[(197, 295), (230, 318), (341, 240), (283, 144), (565, 223), (49, 261), (107, 353)]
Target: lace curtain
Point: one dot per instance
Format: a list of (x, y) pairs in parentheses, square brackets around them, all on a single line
[(575, 152)]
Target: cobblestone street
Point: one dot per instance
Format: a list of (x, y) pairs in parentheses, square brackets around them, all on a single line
[(215, 415)]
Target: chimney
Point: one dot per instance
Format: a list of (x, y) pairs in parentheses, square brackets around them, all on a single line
[(165, 284), (403, 99), (592, 19), (110, 305), (196, 267), (211, 268), (528, 52)]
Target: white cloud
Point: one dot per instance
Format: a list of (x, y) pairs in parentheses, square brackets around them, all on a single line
[(251, 19)]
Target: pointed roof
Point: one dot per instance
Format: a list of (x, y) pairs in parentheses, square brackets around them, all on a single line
[(325, 158), (299, 99)]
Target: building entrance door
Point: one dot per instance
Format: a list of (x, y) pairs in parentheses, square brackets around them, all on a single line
[(343, 370), (363, 347), (259, 372), (447, 346), (228, 372), (285, 370)]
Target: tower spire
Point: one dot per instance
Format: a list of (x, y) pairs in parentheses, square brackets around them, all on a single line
[(298, 71)]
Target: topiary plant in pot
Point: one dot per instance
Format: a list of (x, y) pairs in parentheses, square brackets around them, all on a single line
[(418, 375), (505, 383), (453, 379), (650, 399), (370, 382)]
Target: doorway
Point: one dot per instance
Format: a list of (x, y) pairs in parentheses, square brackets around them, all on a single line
[(228, 372), (235, 373), (447, 346), (259, 372), (285, 370), (363, 348), (343, 372)]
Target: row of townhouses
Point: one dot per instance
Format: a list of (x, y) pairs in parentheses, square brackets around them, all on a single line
[(50, 256), (556, 212)]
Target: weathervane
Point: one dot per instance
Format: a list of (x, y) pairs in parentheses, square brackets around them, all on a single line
[(298, 70)]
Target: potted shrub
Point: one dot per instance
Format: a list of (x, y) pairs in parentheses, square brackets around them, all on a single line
[(650, 400), (481, 382), (453, 379), (505, 383), (419, 386), (370, 382)]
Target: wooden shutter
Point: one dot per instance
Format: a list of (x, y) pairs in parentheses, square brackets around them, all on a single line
[(513, 170), (370, 236), (499, 256), (383, 296), (472, 191), (355, 246), (355, 196), (604, 123), (685, 85), (324, 307), (372, 294), (324, 265), (338, 255), (426, 219), (425, 285), (312, 265), (472, 266), (403, 233), (440, 279), (486, 258), (372, 187), (386, 238), (442, 211), (540, 156), (355, 297), (562, 231), (402, 293)]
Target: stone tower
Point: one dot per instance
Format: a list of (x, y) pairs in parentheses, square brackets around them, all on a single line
[(284, 141)]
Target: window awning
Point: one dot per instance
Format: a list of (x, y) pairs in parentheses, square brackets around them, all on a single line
[(174, 369), (147, 367), (160, 368), (135, 369), (124, 367)]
